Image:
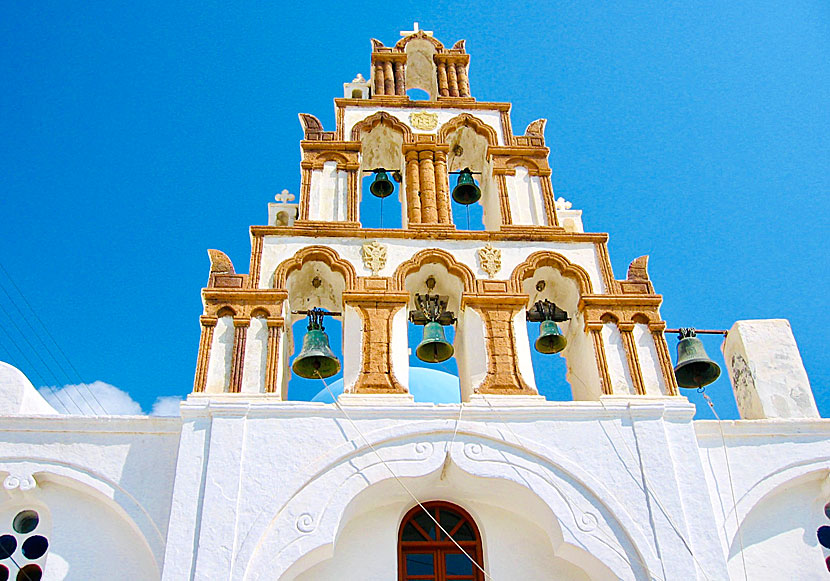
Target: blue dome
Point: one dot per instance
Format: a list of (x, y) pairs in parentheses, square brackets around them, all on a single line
[(425, 385)]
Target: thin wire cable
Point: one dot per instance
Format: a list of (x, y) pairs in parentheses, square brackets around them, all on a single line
[(521, 443), (33, 367), (20, 569), (46, 365), (399, 481), (738, 529), (647, 488), (79, 379)]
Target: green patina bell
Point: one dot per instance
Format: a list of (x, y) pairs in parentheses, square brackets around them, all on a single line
[(434, 348), (694, 369), (316, 358), (551, 340), (466, 191), (382, 186)]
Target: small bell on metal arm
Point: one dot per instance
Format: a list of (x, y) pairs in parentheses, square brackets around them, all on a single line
[(432, 313), (694, 369), (466, 191)]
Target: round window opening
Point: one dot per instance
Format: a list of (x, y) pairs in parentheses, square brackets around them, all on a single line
[(26, 521), (35, 547), (29, 573), (8, 545)]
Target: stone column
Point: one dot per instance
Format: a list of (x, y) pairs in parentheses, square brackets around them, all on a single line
[(452, 80), (400, 79), (442, 79), (388, 78), (240, 333), (497, 312), (442, 194), (463, 83), (627, 336), (413, 188), (272, 365), (379, 84), (376, 312), (205, 341), (595, 331), (429, 210)]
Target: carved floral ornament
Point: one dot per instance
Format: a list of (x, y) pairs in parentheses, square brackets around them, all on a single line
[(490, 259), (423, 120), (374, 256)]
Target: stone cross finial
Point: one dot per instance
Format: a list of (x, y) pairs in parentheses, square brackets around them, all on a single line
[(359, 79), (415, 30), (562, 204), (284, 197)]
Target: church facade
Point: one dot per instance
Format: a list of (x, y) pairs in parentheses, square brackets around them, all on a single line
[(386, 482)]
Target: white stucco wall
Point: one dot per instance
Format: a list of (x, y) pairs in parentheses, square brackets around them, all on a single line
[(106, 484)]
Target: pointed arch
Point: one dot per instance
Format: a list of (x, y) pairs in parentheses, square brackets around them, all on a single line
[(430, 256), (322, 254), (381, 117), (474, 123), (555, 260)]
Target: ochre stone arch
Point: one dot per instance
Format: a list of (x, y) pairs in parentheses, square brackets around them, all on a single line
[(334, 156), (322, 254), (609, 318), (379, 118), (260, 312), (226, 311), (641, 318), (430, 256), (555, 260), (401, 44), (514, 162), (474, 123)]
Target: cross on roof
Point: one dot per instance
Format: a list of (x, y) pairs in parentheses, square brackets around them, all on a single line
[(284, 196), (415, 30)]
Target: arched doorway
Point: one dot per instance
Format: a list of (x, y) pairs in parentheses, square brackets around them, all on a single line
[(426, 553)]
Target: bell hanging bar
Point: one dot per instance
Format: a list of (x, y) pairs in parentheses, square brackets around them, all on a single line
[(316, 359), (547, 314)]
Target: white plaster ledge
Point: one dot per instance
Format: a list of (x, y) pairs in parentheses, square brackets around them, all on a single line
[(375, 399), (481, 399), (791, 428)]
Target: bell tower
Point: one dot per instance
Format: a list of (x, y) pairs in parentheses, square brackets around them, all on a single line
[(532, 261)]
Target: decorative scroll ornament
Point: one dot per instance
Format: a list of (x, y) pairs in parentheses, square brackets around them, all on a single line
[(374, 256), (423, 120), (21, 482), (490, 259)]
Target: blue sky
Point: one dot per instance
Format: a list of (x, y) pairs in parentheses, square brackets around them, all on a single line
[(137, 135)]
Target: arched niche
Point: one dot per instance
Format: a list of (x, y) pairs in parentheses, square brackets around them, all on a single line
[(468, 139), (549, 276), (315, 276), (571, 524), (451, 279), (420, 66), (221, 352), (381, 147)]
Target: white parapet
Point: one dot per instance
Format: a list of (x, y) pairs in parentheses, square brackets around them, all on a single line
[(766, 371)]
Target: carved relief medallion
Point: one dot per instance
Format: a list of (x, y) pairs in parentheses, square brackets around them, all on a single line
[(423, 120), (374, 256), (490, 259)]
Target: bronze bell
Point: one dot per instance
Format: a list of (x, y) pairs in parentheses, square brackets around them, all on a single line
[(316, 359), (551, 340), (694, 369), (382, 186), (466, 191), (434, 348)]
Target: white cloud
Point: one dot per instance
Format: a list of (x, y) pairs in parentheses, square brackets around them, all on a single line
[(101, 398), (166, 406)]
